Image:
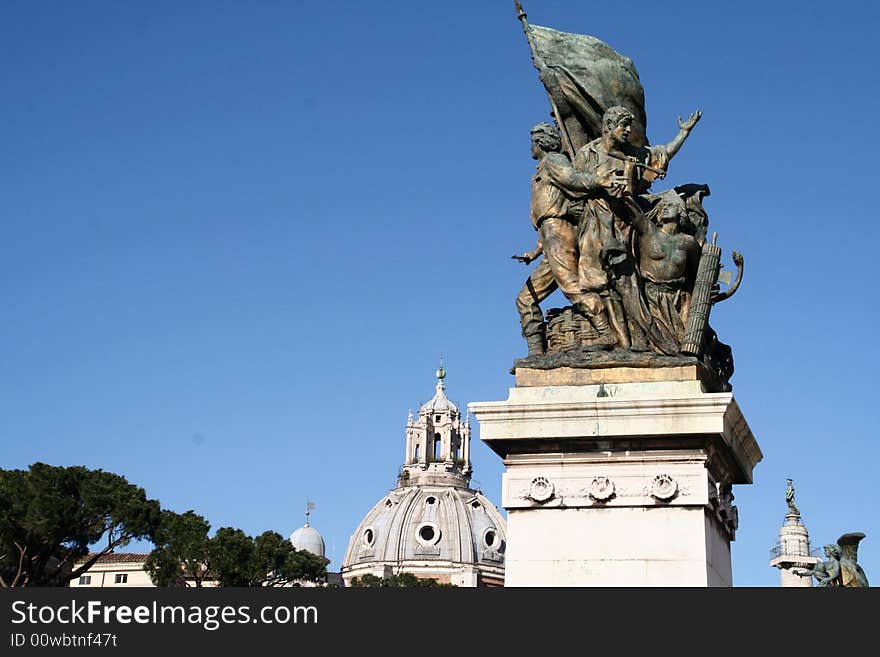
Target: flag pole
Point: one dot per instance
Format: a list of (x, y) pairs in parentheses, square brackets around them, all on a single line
[(521, 15)]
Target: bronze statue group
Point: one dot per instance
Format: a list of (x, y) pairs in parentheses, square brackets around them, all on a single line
[(627, 260), (635, 266)]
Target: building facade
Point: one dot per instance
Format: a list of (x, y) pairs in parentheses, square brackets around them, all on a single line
[(115, 570)]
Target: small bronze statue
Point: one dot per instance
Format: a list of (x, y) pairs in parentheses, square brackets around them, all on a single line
[(789, 498)]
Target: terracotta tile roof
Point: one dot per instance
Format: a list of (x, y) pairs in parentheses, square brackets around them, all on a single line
[(121, 557)]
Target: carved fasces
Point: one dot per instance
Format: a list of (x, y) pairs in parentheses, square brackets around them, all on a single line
[(701, 299)]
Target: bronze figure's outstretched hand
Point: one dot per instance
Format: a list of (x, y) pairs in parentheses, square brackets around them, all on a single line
[(691, 121), (529, 256), (684, 129)]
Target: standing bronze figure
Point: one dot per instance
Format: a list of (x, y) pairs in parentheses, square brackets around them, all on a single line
[(555, 185)]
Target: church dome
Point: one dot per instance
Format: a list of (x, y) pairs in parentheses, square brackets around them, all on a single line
[(433, 524), (435, 531), (307, 538)]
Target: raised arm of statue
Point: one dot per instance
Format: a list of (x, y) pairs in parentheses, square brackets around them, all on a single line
[(684, 129)]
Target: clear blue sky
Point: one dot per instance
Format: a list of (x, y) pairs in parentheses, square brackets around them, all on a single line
[(237, 236)]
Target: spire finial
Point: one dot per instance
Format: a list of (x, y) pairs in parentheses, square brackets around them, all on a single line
[(309, 506)]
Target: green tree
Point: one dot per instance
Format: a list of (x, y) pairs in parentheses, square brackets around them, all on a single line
[(267, 560), (277, 562), (403, 580), (184, 555), (51, 516), (231, 553), (180, 557)]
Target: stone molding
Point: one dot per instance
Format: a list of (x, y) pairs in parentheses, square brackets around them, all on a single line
[(534, 415)]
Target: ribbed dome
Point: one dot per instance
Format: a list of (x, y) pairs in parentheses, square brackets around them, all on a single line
[(307, 538), (430, 524), (438, 403)]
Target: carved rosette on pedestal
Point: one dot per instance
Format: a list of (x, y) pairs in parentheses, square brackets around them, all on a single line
[(541, 490), (664, 488), (577, 487), (601, 489)]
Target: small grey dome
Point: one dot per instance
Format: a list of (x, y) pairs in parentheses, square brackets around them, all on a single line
[(439, 402), (307, 538), (437, 405)]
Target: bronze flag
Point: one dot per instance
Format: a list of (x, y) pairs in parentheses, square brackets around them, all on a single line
[(583, 77)]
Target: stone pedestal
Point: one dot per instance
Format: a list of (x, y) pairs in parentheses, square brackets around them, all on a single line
[(618, 484)]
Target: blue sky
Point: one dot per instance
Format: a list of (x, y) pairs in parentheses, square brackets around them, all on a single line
[(238, 235)]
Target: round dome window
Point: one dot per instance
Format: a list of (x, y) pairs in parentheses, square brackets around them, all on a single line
[(428, 534), (431, 500), (489, 538), (369, 536)]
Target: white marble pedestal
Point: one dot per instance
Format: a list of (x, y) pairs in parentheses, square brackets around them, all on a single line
[(619, 484)]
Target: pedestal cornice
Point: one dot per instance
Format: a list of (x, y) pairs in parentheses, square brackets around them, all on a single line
[(556, 418)]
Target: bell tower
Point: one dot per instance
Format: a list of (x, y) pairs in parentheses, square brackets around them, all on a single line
[(437, 442)]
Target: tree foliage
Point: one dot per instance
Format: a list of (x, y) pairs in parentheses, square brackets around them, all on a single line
[(50, 516), (403, 580), (232, 555), (277, 562), (186, 556), (180, 555)]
